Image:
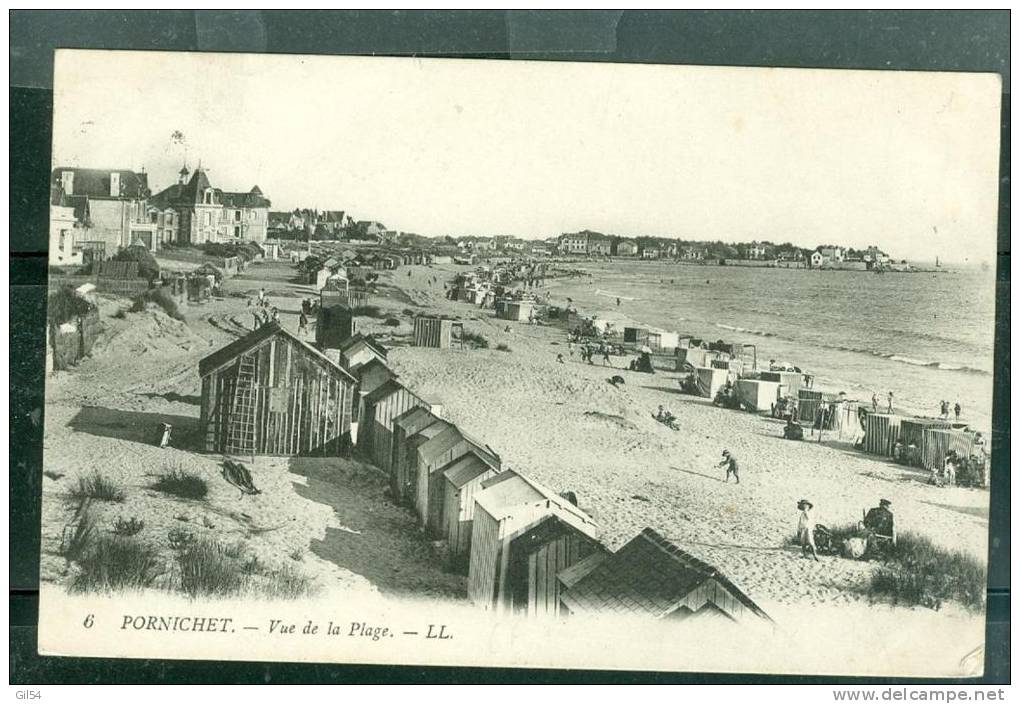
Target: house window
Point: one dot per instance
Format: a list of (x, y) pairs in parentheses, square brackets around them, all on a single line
[(237, 216), (208, 197)]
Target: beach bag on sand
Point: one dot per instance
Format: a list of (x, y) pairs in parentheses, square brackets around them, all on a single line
[(854, 548)]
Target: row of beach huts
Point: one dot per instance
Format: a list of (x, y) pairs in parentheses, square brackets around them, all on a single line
[(526, 549)]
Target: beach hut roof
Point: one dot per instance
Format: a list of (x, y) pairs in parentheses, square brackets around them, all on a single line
[(570, 576), (227, 354), (412, 417), (360, 370), (649, 576), (450, 437), (464, 469), (510, 495), (359, 339), (385, 389)]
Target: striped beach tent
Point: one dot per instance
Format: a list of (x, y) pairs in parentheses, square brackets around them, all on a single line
[(939, 441), (881, 433)]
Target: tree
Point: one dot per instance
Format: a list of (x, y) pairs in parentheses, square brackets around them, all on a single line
[(148, 268)]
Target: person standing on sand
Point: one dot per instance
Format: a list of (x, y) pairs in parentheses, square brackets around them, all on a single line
[(605, 355), (957, 409), (806, 530), (874, 403), (262, 294), (890, 402), (730, 463), (302, 326), (617, 302)]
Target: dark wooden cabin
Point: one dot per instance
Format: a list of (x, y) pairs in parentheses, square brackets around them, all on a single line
[(270, 393)]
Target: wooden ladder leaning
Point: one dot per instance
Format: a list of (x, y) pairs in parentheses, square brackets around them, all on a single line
[(241, 430)]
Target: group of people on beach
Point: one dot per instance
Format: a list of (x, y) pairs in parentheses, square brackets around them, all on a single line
[(262, 312), (875, 534), (944, 410)]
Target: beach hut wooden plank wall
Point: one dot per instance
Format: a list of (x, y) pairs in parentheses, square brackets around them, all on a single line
[(463, 477), (520, 530), (912, 430), (439, 451), (435, 332), (381, 408), (881, 432), (270, 393), (405, 426), (359, 349)]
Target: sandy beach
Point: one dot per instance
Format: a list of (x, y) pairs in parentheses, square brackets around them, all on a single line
[(563, 424)]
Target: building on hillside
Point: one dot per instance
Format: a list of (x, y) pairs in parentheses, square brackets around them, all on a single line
[(652, 577), (599, 244), (108, 206), (270, 393), (758, 250), (203, 213), (625, 248), (573, 243), (692, 253), (833, 254), (651, 252), (817, 259), (873, 255)]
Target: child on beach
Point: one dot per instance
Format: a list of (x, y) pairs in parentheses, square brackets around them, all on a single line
[(730, 463), (806, 529)]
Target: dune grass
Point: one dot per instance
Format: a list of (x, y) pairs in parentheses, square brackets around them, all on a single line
[(919, 572), (211, 569), (177, 482), (127, 528), (96, 486), (476, 340), (77, 538), (112, 563)]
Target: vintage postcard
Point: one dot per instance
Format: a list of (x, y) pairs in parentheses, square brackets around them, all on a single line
[(519, 364)]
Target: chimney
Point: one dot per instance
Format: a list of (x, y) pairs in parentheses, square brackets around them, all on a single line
[(67, 182), (114, 184)]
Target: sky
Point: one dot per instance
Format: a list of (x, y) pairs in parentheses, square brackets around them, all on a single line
[(904, 160)]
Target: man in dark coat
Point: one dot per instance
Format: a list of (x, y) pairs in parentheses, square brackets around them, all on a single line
[(879, 520)]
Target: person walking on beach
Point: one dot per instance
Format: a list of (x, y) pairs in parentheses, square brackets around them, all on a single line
[(262, 294), (957, 409), (605, 355), (806, 530), (570, 348), (874, 403), (890, 402), (730, 463), (617, 302), (944, 410)]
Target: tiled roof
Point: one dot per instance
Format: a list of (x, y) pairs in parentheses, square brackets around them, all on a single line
[(650, 576), (235, 349), (95, 183)]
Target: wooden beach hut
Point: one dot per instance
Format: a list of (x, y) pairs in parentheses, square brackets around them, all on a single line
[(634, 336), (881, 431), (437, 332), (710, 380), (939, 441), (521, 311), (521, 537), (912, 434), (691, 357), (270, 393), (808, 402), (790, 382), (463, 479), (408, 469), (370, 375), (653, 578), (379, 409), (358, 349), (335, 325), (660, 340), (403, 481), (757, 395), (447, 446)]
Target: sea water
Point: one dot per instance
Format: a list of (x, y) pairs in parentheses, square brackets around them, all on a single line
[(926, 337)]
